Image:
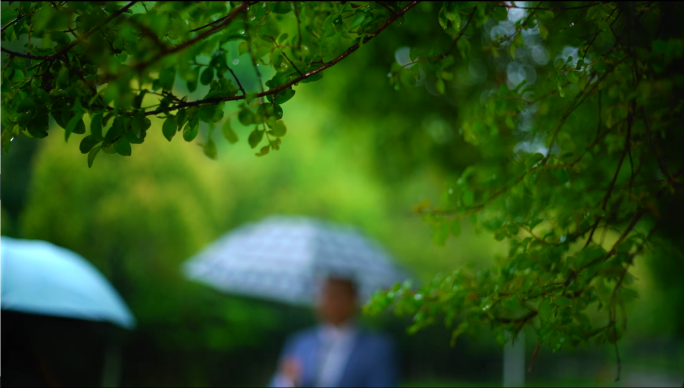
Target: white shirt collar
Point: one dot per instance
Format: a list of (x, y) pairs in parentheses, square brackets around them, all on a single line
[(343, 331)]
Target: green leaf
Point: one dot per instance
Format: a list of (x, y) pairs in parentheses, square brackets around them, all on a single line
[(468, 197), (117, 129), (169, 128), (499, 13), (439, 85), (511, 303), (464, 47), (440, 233), (562, 301), (167, 77), (26, 104), (87, 144), (282, 96), (255, 138), (543, 31), (533, 159), (181, 118), (443, 21), (312, 78), (18, 76), (247, 117), (39, 125), (122, 147), (281, 7), (279, 129), (96, 126), (8, 15), (192, 82), (75, 121), (190, 132), (210, 149), (572, 77), (92, 155), (545, 310), (456, 227), (243, 48), (452, 14), (264, 150), (207, 113), (138, 100), (561, 174), (229, 133), (460, 329), (268, 111), (207, 76), (560, 89)]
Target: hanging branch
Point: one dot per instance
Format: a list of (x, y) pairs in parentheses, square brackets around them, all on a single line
[(226, 21), (75, 42), (306, 75)]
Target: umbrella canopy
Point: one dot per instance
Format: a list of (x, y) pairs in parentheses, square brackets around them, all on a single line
[(282, 258), (42, 278)]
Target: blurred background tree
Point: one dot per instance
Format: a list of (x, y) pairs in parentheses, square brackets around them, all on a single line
[(363, 151)]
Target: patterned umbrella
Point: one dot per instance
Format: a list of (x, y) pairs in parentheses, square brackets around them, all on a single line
[(41, 278), (283, 258)]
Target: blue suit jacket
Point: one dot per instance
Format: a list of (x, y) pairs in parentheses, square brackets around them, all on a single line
[(371, 362)]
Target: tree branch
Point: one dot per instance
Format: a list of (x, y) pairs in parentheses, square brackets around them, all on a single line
[(579, 101), (617, 171), (148, 32), (444, 54), (306, 75), (75, 42), (229, 18), (238, 81), (12, 22), (598, 30)]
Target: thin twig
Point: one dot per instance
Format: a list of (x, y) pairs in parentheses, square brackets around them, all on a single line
[(292, 63), (12, 22), (615, 176), (593, 229), (238, 81), (444, 54), (598, 30), (661, 164), (579, 101)]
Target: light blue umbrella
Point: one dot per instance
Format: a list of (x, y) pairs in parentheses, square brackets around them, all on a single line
[(41, 278), (283, 258)]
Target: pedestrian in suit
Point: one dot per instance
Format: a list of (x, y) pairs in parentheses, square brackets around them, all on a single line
[(337, 353)]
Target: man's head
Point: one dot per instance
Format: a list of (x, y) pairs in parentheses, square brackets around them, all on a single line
[(337, 302)]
